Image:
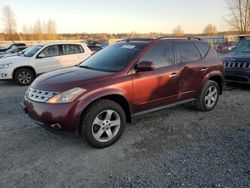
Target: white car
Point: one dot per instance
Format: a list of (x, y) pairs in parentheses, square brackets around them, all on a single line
[(40, 59)]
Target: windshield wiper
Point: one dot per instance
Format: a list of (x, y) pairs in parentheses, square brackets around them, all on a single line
[(85, 67)]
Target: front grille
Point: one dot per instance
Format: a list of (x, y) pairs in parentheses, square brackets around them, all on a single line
[(39, 95), (237, 65)]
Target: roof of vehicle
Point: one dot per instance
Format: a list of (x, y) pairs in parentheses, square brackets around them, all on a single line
[(148, 41), (59, 43)]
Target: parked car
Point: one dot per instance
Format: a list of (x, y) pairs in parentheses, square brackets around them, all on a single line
[(40, 59), (13, 54), (129, 78), (225, 47), (237, 63), (95, 48), (12, 51), (14, 45)]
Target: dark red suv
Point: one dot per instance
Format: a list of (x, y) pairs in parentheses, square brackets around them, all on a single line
[(129, 78)]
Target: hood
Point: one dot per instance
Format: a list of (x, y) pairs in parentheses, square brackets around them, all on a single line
[(236, 56), (9, 55), (67, 78), (12, 59)]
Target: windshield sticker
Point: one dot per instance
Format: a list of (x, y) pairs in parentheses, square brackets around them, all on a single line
[(127, 46)]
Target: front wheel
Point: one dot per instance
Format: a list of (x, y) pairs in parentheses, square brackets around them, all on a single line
[(209, 96), (103, 123), (24, 76)]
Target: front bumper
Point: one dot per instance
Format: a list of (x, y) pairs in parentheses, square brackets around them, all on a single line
[(5, 74), (237, 76), (59, 117)]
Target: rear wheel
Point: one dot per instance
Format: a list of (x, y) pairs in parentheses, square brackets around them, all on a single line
[(209, 96), (24, 76), (103, 123)]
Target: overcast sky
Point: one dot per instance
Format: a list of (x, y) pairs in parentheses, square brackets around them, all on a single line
[(116, 16)]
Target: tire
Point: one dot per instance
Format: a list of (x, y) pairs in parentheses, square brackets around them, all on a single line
[(210, 92), (96, 123), (24, 76)]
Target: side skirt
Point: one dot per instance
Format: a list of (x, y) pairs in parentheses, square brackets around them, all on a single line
[(164, 107)]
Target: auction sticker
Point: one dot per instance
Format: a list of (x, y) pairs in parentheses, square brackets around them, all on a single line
[(127, 46)]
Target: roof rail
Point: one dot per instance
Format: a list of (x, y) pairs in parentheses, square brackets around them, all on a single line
[(173, 37), (136, 39)]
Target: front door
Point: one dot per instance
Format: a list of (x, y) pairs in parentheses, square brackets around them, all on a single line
[(48, 60), (159, 87)]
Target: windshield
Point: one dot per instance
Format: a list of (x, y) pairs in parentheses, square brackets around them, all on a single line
[(32, 51), (242, 46), (113, 58)]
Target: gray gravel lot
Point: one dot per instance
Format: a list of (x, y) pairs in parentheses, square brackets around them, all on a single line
[(177, 147)]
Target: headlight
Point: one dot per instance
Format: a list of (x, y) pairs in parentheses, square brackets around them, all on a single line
[(66, 96), (5, 65)]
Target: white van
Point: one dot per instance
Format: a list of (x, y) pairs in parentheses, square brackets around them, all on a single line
[(42, 58)]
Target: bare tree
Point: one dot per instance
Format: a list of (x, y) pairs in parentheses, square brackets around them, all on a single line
[(178, 31), (9, 21), (210, 30), (38, 30), (51, 27), (239, 17)]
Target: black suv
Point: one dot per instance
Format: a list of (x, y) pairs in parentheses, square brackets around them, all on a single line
[(237, 63)]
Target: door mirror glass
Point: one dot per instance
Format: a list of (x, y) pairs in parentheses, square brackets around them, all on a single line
[(41, 55), (145, 66)]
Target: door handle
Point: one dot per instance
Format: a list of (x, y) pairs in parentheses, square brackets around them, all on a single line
[(204, 69), (173, 75)]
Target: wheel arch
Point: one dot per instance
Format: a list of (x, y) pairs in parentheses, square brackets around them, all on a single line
[(219, 80), (119, 99), (24, 67)]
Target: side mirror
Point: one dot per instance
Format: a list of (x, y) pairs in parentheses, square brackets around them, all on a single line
[(145, 66), (41, 55)]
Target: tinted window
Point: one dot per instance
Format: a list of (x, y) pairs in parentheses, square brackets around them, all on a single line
[(79, 49), (187, 52), (51, 51), (68, 49), (71, 49), (113, 58), (204, 48), (161, 55)]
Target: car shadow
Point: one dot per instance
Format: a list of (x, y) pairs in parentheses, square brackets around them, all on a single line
[(7, 83), (236, 86)]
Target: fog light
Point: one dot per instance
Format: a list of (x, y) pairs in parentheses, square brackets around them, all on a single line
[(56, 126), (4, 75)]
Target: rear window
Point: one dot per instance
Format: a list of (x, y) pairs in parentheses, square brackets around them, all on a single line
[(204, 48), (187, 52)]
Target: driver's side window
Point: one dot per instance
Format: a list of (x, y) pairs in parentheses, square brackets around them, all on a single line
[(161, 55), (50, 51)]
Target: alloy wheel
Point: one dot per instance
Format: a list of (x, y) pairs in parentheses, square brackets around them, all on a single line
[(211, 96), (106, 125), (24, 77)]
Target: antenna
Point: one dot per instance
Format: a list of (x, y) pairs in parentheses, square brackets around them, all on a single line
[(130, 36)]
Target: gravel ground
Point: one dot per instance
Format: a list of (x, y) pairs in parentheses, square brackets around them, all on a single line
[(177, 147)]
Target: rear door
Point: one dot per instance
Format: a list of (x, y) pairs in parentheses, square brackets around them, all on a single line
[(48, 59), (72, 54), (192, 69), (156, 88)]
